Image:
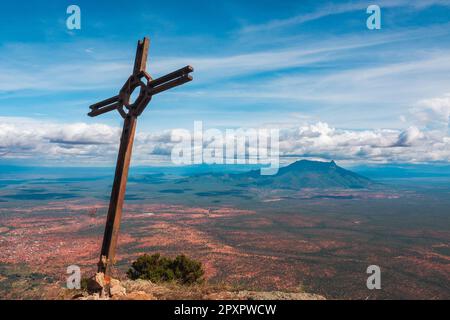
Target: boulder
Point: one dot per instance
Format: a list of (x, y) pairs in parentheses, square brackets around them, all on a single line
[(96, 283), (116, 289)]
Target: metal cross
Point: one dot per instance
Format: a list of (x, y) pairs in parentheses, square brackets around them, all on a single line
[(130, 111)]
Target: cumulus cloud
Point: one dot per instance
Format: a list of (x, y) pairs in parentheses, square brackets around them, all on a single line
[(319, 140), (73, 143), (434, 111), (92, 144), (408, 137)]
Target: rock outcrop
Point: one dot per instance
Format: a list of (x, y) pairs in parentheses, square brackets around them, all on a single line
[(147, 290)]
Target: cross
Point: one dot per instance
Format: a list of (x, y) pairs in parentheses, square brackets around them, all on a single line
[(148, 87)]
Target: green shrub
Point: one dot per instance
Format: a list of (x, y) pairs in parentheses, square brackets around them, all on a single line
[(158, 269)]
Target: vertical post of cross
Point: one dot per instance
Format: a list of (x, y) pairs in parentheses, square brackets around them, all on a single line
[(129, 110), (121, 175)]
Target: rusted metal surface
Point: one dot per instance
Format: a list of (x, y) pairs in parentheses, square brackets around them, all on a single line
[(170, 76), (142, 81), (117, 196), (140, 61)]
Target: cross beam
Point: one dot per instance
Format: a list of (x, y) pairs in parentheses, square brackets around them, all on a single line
[(148, 87)]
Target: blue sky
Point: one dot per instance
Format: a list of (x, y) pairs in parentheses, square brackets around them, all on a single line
[(311, 68)]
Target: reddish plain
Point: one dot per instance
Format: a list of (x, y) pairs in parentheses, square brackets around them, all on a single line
[(325, 254)]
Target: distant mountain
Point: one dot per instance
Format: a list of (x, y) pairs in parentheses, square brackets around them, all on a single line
[(298, 175)]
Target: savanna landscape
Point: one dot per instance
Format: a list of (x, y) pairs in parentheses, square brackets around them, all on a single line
[(319, 239)]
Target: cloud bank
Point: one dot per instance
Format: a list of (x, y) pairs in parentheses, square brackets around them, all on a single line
[(96, 144)]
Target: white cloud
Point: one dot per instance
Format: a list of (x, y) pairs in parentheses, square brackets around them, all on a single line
[(303, 18), (336, 9), (434, 111), (97, 144), (408, 137), (319, 140), (379, 83), (69, 67), (68, 72)]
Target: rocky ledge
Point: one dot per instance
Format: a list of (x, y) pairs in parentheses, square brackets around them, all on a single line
[(100, 288)]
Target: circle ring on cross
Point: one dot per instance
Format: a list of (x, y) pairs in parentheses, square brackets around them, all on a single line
[(132, 84)]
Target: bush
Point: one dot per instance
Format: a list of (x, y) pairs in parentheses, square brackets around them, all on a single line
[(158, 269)]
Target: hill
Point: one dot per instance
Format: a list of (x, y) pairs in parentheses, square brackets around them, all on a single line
[(298, 175)]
